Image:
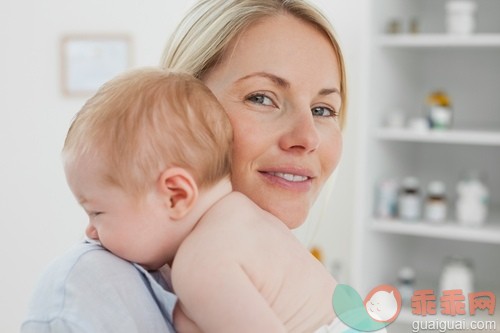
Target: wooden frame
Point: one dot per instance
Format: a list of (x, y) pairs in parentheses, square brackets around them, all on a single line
[(90, 60)]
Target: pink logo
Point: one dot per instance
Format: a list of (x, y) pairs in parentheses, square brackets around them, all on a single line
[(383, 303)]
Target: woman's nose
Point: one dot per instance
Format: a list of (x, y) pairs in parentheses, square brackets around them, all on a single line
[(91, 232), (301, 134)]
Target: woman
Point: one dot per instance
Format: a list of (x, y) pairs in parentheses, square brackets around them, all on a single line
[(276, 67), (278, 70)]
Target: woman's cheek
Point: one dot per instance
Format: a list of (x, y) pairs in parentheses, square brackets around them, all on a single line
[(332, 150), (247, 133)]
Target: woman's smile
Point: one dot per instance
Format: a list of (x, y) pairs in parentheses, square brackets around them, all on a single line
[(291, 178)]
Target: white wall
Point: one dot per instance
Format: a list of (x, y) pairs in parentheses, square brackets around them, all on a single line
[(40, 218)]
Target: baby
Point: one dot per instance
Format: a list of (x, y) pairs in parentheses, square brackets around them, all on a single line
[(148, 159)]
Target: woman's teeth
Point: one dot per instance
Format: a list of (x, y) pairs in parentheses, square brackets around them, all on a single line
[(289, 177)]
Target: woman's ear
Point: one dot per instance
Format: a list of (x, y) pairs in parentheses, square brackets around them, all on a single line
[(179, 190)]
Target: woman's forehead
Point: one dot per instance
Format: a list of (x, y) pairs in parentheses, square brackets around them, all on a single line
[(284, 46)]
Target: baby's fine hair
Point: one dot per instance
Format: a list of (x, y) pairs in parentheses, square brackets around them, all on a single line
[(147, 120)]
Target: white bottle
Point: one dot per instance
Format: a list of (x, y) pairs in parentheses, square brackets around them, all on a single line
[(472, 202), (460, 16), (457, 274)]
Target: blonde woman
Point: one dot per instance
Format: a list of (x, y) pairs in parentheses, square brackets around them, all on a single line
[(278, 70)]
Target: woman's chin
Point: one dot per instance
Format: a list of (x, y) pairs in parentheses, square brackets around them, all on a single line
[(291, 215), (294, 224)]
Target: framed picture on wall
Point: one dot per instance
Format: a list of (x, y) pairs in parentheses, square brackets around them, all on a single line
[(90, 60)]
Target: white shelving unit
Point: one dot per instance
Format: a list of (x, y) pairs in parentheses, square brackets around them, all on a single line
[(439, 40), (489, 233), (401, 70), (464, 137)]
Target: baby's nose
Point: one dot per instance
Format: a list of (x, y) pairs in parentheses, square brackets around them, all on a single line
[(91, 232)]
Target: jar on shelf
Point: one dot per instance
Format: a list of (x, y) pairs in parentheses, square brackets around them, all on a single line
[(472, 201), (387, 198), (409, 203), (418, 124), (457, 273), (406, 284), (414, 26), (395, 119), (394, 26), (436, 203), (460, 16), (439, 110)]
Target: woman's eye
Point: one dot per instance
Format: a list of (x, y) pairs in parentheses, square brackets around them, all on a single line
[(94, 214), (260, 99), (322, 111)]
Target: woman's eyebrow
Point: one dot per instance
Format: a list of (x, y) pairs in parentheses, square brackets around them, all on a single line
[(279, 81), (328, 91)]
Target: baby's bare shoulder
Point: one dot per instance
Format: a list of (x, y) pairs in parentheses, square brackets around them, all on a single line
[(236, 213), (231, 230)]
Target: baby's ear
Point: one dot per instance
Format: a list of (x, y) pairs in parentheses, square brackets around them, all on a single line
[(179, 190)]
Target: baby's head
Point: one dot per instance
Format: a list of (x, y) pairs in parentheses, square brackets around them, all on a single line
[(137, 155), (147, 120)]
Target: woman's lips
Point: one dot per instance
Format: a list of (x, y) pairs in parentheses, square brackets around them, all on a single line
[(291, 180)]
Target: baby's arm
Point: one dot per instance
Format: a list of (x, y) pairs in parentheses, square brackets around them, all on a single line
[(219, 296)]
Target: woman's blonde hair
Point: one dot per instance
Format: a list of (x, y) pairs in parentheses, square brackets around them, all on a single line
[(146, 120), (203, 36)]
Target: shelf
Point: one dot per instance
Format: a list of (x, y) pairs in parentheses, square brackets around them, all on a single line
[(468, 137), (489, 233), (440, 40)]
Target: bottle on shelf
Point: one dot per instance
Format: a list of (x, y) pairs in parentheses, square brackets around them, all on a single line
[(406, 284), (439, 111), (472, 202), (409, 203), (460, 16), (457, 273), (436, 203), (387, 198)]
